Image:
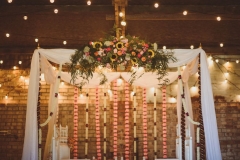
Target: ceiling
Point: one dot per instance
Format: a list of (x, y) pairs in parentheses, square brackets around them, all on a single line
[(78, 24)]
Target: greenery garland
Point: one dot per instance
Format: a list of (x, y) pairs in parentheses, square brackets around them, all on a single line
[(119, 55)]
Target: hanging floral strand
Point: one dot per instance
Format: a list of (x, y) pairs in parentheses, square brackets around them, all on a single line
[(145, 141), (135, 124), (127, 145), (155, 124), (164, 121), (115, 118), (75, 124), (86, 132), (97, 119), (105, 123)]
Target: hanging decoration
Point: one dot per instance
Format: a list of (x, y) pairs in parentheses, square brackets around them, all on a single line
[(164, 121), (202, 136), (127, 129), (155, 123), (86, 131), (135, 124), (113, 53), (97, 119), (105, 123), (115, 118), (75, 124), (145, 141), (183, 128)]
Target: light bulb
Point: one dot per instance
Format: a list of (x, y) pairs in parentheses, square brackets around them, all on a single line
[(164, 47), (36, 40), (7, 35), (184, 13), (9, 1), (156, 5), (64, 42), (123, 23), (226, 74), (120, 14), (55, 11), (14, 67), (191, 46), (52, 1), (221, 44), (218, 18), (225, 81), (0, 85), (25, 17), (1, 61), (89, 2), (216, 60), (237, 61), (6, 97), (20, 62)]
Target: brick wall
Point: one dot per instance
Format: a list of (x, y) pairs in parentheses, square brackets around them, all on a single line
[(13, 111)]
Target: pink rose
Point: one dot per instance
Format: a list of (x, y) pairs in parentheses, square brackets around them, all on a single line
[(139, 55), (99, 59)]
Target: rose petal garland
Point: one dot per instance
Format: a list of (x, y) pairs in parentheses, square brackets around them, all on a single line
[(164, 121), (144, 116), (105, 123), (75, 124), (135, 124), (86, 131), (155, 124), (97, 119), (127, 145), (115, 118)]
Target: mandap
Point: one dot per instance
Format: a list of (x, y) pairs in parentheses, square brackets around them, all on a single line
[(41, 58)]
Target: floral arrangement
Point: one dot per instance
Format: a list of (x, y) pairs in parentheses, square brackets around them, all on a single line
[(118, 55)]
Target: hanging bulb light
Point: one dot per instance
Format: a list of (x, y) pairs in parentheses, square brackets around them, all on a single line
[(14, 67), (221, 44), (7, 35), (89, 2), (164, 47), (25, 17), (9, 1), (216, 60), (218, 18), (237, 61), (191, 46), (36, 40), (156, 5), (51, 1), (64, 42), (55, 11), (226, 74), (20, 62), (1, 61), (225, 81), (6, 96), (121, 14), (185, 13), (123, 23)]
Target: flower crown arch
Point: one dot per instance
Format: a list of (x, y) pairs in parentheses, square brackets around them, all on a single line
[(122, 54)]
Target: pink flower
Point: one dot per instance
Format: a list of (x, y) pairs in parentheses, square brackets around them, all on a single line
[(90, 43), (108, 49), (99, 59), (139, 55), (146, 45)]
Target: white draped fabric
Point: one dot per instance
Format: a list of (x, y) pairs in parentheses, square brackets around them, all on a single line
[(62, 56)]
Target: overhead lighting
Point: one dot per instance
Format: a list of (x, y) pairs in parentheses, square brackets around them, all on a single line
[(120, 14), (89, 2), (25, 17), (36, 40), (216, 60), (164, 47), (52, 1), (156, 5), (9, 1), (64, 42), (237, 61), (14, 67), (221, 44), (218, 18), (123, 23), (184, 13), (19, 62), (55, 11), (1, 61), (7, 35), (191, 46)]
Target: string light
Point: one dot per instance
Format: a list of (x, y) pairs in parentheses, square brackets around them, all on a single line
[(185, 13), (55, 11), (6, 96), (25, 17), (221, 44), (225, 81), (7, 35), (216, 60), (226, 74), (191, 46), (123, 23), (9, 1), (120, 14), (36, 40), (51, 1), (14, 67), (19, 62), (164, 47), (1, 61), (237, 61), (89, 2), (218, 18), (64, 42), (156, 5)]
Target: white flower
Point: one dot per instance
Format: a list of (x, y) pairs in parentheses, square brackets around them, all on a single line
[(107, 43), (86, 49), (155, 46), (124, 40), (115, 50)]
